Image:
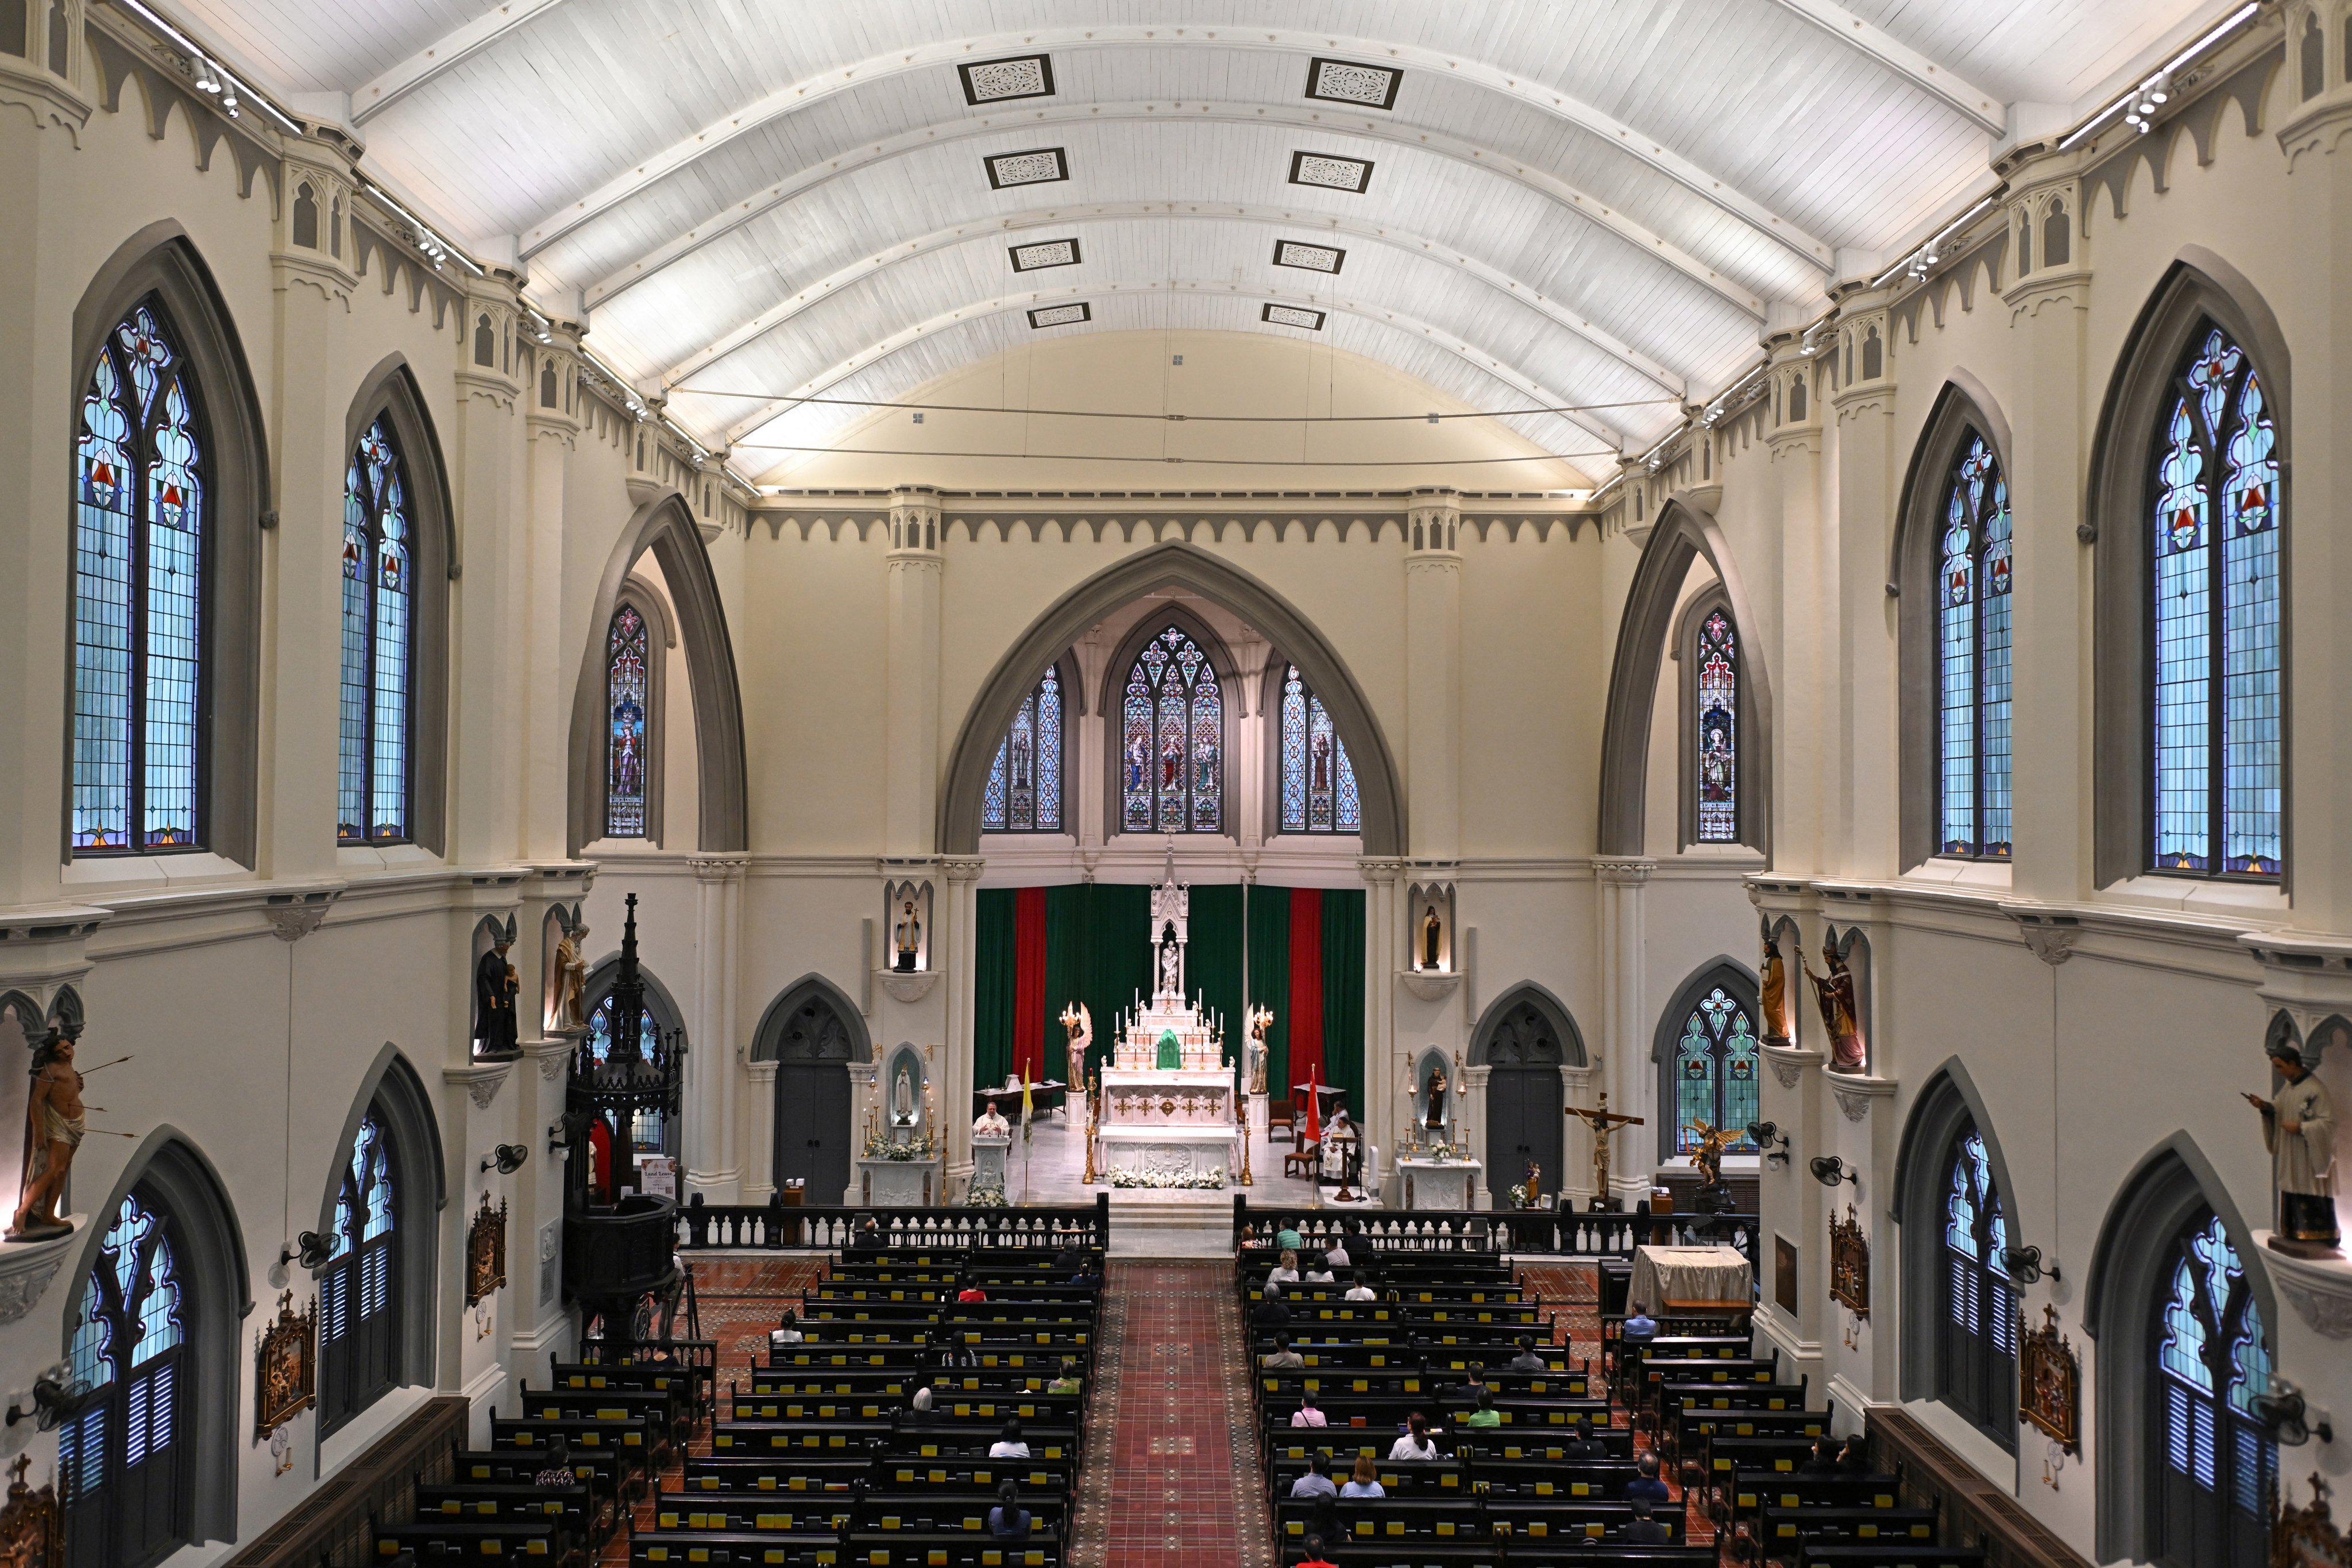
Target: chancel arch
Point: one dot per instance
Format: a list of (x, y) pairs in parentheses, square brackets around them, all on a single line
[(813, 1032), (1683, 533), (1524, 1039), (665, 527), (1170, 565), (154, 1324), (1706, 1048)]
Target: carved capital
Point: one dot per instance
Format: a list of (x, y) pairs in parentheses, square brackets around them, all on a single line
[(718, 867), (908, 986), (1789, 1064), (27, 1267), (1855, 1095), (2322, 128), (963, 870), (2319, 1289), (1380, 870), (482, 1080), (1622, 870), (2050, 935), (293, 916), (554, 1053), (1430, 984), (52, 102)]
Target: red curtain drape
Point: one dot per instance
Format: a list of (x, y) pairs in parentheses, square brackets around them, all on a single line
[(1029, 982), (1307, 988)]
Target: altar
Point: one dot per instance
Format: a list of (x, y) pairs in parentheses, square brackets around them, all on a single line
[(1166, 1111)]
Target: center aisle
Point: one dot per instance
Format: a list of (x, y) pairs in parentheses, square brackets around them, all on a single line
[(1171, 1466)]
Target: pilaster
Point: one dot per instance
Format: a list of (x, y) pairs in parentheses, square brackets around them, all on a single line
[(962, 916), (911, 813), (712, 1168), (1804, 673), (1624, 883), (552, 429), (1433, 635), (1867, 703), (488, 668), (1384, 1054)]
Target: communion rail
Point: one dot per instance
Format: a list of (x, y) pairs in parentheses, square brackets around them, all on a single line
[(1520, 1233), (783, 1227)]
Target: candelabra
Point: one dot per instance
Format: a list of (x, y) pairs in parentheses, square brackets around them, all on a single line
[(1088, 1089)]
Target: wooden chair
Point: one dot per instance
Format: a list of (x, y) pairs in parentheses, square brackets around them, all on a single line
[(1280, 1113), (1306, 1160)]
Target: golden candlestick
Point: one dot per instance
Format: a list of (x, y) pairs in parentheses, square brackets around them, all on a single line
[(1088, 1089)]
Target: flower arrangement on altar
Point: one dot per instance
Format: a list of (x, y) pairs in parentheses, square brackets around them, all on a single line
[(1529, 1190), (879, 1145), (988, 1197), (1198, 1181)]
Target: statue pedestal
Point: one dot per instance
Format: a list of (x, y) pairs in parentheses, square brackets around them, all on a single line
[(1425, 1182), (988, 1155), (1259, 1112), (899, 1183)]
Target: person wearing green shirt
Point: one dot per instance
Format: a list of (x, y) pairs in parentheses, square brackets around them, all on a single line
[(1286, 1239), (1486, 1415), (1068, 1382)]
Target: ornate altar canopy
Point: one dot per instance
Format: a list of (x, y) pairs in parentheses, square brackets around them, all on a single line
[(1168, 1098)]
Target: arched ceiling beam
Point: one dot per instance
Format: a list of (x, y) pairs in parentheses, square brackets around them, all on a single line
[(460, 43), (801, 182), (1479, 360), (1533, 95), (735, 337), (1983, 105)]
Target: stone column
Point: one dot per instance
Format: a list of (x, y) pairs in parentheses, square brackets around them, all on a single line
[(552, 658), (758, 1163), (712, 1168), (955, 1101), (1576, 1089), (1622, 882), (1432, 646), (486, 622), (1489, 1182), (1868, 739), (1383, 1052), (911, 655), (1802, 666)]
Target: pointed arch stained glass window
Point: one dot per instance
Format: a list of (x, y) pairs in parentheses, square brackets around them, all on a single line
[(1715, 1072), (1718, 730), (2217, 699), (122, 1461), (1319, 782), (140, 550), (1024, 785), (1976, 1345), (647, 1133), (379, 615), (1972, 652), (628, 650), (2218, 1462), (358, 1330), (1172, 739)]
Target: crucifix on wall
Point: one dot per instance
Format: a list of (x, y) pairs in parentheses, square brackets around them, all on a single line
[(1602, 1122)]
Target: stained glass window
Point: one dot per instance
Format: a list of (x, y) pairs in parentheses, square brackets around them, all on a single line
[(378, 612), (2217, 705), (628, 650), (1972, 654), (359, 1335), (649, 1132), (139, 548), (2218, 1461), (1715, 1072), (120, 1457), (1976, 1345), (1718, 730), (1319, 782), (1173, 741), (1024, 783)]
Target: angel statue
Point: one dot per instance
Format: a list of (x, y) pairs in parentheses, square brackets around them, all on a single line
[(571, 970), (1708, 1154), (1079, 1024)]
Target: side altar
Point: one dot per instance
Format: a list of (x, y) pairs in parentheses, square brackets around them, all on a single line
[(1167, 1106)]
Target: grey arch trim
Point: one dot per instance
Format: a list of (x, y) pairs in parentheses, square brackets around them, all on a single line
[(2198, 285), (1962, 405), (391, 390), (162, 260), (1113, 694), (768, 1034), (1721, 970), (1182, 565), (667, 527), (2170, 1182), (1572, 1038), (600, 985), (213, 1266), (1917, 1205), (1683, 533), (420, 1167)]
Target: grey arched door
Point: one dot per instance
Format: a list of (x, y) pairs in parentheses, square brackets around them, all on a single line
[(1524, 1111), (813, 1130)]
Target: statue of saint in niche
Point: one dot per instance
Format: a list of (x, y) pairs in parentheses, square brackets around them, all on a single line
[(495, 987), (1433, 934), (1433, 1113), (910, 935), (902, 1098), (1774, 993), (1835, 991), (54, 1128), (571, 973), (2299, 1130), (1172, 963)]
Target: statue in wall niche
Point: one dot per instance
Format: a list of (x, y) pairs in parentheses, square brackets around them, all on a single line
[(1433, 936), (54, 1129), (910, 935), (1834, 992), (902, 1098), (1773, 991), (1434, 1109), (2299, 1130), (570, 972), (494, 988)]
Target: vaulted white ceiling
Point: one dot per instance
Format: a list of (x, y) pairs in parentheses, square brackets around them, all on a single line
[(1562, 202)]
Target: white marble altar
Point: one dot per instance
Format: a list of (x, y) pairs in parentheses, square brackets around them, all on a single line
[(1168, 1109), (1428, 1181), (898, 1182)]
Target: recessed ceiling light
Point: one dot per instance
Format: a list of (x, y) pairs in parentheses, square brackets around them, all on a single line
[(1042, 166), (1018, 76), (1061, 315), (1292, 316), (1345, 81), (1309, 257), (1042, 253), (1330, 172)]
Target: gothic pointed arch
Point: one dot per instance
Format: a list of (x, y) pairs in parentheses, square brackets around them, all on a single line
[(1529, 1008), (1165, 641), (158, 270), (390, 406), (405, 1153), (666, 526), (774, 1037), (1683, 533), (168, 1184), (1705, 1048), (1178, 565), (2200, 295)]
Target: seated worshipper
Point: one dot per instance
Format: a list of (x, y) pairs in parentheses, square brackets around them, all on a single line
[(1317, 1481), (1584, 1445), (1336, 1255), (1645, 1530), (1071, 1256), (919, 1409), (1318, 1270), (1820, 1461), (1286, 1239), (1315, 1558), (1068, 1382), (1359, 1290), (1008, 1520), (1418, 1442), (1646, 1487), (1527, 1360), (1271, 1312), (1366, 1482), (1285, 1272), (787, 1331), (1473, 1385), (1011, 1445), (1307, 1413), (1639, 1329), (1486, 1415), (971, 1293), (555, 1466), (1087, 1274), (1283, 1357), (1853, 1460)]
